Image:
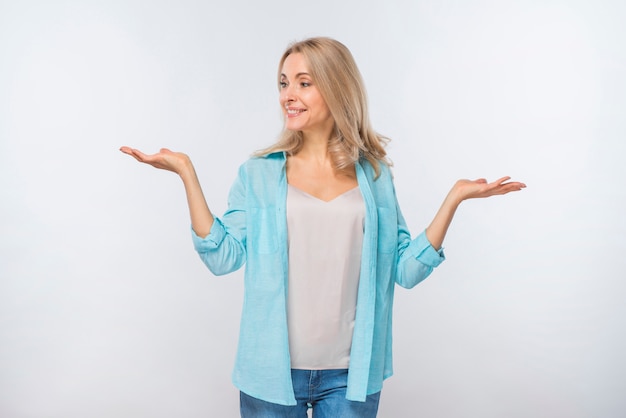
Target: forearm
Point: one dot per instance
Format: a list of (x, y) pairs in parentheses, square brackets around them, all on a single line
[(462, 190), (201, 217), (436, 231)]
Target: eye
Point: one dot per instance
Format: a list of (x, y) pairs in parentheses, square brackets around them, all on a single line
[(282, 84), (305, 84)]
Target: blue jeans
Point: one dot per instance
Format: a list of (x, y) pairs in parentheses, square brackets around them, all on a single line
[(322, 390)]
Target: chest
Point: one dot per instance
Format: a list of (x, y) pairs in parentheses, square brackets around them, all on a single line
[(323, 183)]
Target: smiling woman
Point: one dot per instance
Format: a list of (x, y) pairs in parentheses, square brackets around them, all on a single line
[(321, 261), (305, 108), (328, 66)]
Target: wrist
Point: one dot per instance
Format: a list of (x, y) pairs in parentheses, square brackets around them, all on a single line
[(454, 198), (186, 169)]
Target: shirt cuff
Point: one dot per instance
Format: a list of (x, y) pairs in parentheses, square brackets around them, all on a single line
[(425, 253), (211, 241)]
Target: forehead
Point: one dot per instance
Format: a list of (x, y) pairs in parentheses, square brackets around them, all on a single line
[(294, 65)]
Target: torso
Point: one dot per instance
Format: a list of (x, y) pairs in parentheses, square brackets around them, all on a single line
[(324, 252)]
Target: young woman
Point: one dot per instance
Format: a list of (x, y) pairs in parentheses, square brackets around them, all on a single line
[(316, 221)]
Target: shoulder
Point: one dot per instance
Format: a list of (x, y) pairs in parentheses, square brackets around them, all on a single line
[(266, 163), (262, 172), (384, 174)]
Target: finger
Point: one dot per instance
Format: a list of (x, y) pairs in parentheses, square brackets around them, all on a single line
[(511, 187), (132, 152), (502, 180), (128, 150), (515, 185), (140, 156)]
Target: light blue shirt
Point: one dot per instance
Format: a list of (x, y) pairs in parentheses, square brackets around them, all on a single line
[(253, 231)]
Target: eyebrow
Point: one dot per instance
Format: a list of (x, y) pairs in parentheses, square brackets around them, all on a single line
[(297, 75)]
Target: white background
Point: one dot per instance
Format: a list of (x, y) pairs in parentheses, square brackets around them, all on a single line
[(106, 310)]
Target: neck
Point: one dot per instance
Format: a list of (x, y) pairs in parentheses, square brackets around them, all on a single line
[(315, 146)]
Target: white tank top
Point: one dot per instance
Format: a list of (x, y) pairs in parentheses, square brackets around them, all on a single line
[(325, 240)]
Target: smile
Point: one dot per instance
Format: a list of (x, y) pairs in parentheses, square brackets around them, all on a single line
[(294, 112)]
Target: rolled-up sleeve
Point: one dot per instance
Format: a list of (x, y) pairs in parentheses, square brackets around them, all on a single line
[(211, 241), (417, 261), (223, 250)]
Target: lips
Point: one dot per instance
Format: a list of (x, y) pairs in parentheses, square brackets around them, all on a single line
[(291, 112)]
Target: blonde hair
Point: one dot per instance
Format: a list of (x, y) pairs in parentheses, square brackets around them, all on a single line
[(340, 84)]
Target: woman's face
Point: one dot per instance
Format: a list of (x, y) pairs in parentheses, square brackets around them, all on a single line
[(303, 106)]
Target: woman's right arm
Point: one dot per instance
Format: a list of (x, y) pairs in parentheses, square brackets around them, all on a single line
[(179, 163)]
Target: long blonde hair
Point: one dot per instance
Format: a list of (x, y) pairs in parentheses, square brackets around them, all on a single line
[(339, 81)]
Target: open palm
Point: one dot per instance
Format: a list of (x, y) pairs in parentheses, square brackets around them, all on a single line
[(164, 159), (471, 189)]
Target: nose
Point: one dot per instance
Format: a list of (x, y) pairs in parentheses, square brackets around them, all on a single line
[(286, 95)]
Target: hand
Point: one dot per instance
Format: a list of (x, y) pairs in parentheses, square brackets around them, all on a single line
[(462, 190), (164, 159), (471, 189), (179, 163)]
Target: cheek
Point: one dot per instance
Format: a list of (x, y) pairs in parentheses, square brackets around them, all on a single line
[(320, 104), (324, 108)]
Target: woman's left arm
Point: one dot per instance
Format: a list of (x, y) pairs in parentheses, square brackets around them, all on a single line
[(463, 190)]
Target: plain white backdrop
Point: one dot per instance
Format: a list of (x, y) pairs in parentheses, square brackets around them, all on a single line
[(106, 310)]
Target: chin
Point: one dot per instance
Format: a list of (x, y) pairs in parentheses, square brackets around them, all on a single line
[(293, 127)]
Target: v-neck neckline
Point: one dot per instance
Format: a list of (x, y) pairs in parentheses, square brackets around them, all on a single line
[(320, 199)]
